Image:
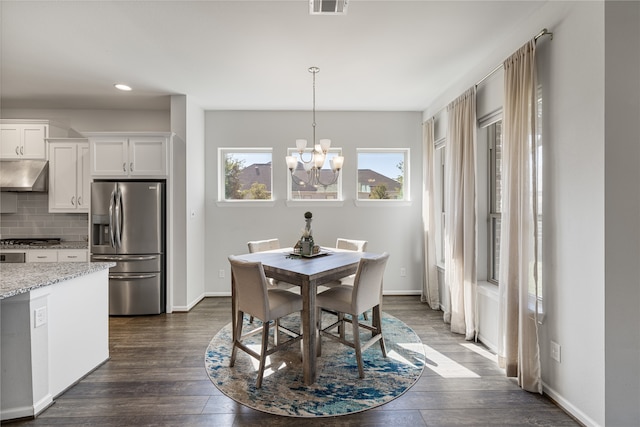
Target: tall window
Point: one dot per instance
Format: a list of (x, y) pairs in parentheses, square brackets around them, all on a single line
[(383, 174), (494, 138), (245, 174), (303, 186)]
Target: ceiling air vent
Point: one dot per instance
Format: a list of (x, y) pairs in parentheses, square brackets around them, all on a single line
[(328, 7)]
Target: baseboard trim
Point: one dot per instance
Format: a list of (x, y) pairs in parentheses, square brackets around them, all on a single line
[(568, 407), (183, 308)]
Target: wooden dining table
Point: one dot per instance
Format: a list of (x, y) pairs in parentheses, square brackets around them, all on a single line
[(308, 274)]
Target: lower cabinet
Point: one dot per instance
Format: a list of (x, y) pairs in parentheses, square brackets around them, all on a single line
[(60, 255)]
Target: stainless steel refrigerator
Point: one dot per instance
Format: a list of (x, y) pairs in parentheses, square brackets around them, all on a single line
[(128, 227)]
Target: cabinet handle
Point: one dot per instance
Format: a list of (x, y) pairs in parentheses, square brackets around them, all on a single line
[(79, 200), (22, 150), (17, 150), (73, 200), (124, 167), (72, 256), (41, 256), (131, 166)]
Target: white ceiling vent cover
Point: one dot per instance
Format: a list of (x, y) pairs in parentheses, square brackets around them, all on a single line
[(328, 7)]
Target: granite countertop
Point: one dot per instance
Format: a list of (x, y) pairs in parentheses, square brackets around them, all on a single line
[(62, 245), (20, 278)]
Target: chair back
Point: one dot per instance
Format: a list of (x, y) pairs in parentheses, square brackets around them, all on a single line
[(352, 245), (250, 287), (263, 245), (367, 286)]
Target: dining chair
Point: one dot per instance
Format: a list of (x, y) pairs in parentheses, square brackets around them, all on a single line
[(254, 297), (365, 294), (349, 245)]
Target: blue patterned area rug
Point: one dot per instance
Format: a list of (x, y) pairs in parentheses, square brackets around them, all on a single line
[(337, 391)]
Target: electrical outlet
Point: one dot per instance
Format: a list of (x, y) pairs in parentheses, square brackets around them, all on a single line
[(555, 351), (403, 272), (40, 316), (221, 274)]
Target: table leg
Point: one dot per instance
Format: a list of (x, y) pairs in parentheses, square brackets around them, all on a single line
[(234, 309), (308, 291)]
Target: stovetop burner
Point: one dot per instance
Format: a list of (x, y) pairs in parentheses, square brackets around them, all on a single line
[(31, 242)]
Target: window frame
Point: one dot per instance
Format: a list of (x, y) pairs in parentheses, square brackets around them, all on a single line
[(406, 184), (494, 212), (222, 155), (338, 201)]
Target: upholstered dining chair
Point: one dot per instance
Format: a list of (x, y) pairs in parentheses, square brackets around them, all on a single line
[(365, 294), (254, 297)]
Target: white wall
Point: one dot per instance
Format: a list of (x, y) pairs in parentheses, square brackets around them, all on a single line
[(394, 229), (622, 213), (571, 70), (97, 120), (187, 208)]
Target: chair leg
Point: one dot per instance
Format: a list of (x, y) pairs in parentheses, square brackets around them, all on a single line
[(276, 332), (317, 332), (341, 325), (263, 353), (377, 316), (356, 344), (236, 338)]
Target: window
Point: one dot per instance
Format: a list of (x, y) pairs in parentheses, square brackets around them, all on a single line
[(304, 185), (383, 174), (440, 202), (245, 174), (494, 139)]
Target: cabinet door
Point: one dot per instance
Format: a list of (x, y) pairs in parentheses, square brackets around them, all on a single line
[(22, 141), (109, 156), (45, 255), (62, 177), (72, 255), (10, 141), (83, 175), (33, 137), (148, 156)]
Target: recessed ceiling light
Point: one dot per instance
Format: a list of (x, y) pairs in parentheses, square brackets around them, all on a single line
[(122, 87)]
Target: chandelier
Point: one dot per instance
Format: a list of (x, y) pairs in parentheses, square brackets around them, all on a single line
[(313, 165)]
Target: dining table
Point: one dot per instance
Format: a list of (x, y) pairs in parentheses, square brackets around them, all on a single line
[(308, 273)]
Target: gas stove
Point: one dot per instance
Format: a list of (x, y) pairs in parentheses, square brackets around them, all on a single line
[(30, 242)]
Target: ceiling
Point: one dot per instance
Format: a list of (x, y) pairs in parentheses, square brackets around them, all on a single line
[(244, 55)]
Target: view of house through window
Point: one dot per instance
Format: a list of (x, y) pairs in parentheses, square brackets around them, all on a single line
[(382, 174), (247, 174), (314, 185)]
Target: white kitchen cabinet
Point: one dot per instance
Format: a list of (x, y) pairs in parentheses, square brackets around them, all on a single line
[(72, 255), (25, 139), (42, 255), (128, 155), (69, 177)]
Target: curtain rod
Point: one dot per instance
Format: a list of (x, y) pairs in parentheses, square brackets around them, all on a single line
[(543, 32)]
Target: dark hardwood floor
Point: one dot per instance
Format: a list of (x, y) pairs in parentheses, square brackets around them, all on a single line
[(156, 377)]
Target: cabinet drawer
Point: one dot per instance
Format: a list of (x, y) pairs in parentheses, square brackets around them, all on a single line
[(72, 256), (42, 256)]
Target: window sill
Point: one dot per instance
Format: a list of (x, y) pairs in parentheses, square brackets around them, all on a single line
[(381, 203), (315, 203), (245, 203)]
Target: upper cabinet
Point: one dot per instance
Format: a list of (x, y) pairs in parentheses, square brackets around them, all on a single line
[(25, 139), (133, 155), (69, 178)]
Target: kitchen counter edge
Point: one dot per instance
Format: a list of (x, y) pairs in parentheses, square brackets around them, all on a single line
[(20, 278)]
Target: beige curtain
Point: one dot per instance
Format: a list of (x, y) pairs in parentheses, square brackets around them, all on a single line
[(460, 216), (518, 322), (430, 291)]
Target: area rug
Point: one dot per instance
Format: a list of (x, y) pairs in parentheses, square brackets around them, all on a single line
[(338, 389)]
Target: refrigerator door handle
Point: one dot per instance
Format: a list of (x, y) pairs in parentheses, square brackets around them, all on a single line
[(118, 231), (132, 276), (127, 258), (111, 203)]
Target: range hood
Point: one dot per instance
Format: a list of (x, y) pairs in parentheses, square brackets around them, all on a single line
[(24, 175)]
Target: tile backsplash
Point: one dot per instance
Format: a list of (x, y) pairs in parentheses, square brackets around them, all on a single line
[(33, 219)]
